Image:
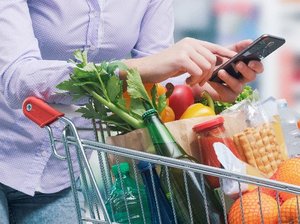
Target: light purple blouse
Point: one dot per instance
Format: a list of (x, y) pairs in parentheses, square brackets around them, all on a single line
[(37, 37)]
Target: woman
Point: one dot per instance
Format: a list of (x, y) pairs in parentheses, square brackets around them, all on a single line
[(37, 37)]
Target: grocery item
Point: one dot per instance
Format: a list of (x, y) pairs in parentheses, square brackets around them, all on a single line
[(289, 125), (252, 206), (181, 98), (247, 93), (101, 84), (197, 110), (127, 202), (258, 147), (161, 210), (276, 122), (165, 145), (289, 211), (270, 191), (167, 115), (208, 133), (288, 172)]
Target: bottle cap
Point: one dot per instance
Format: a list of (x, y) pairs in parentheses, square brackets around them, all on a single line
[(282, 103), (124, 168), (149, 112), (208, 124)]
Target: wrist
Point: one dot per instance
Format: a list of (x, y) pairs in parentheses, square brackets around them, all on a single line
[(140, 64)]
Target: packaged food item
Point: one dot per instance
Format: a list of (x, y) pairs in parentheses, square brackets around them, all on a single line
[(259, 144), (258, 147), (208, 133), (231, 163)]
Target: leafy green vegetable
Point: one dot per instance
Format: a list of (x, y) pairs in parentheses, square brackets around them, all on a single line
[(221, 106), (100, 84), (245, 94), (135, 86)]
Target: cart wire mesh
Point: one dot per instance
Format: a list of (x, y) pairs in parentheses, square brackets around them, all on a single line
[(96, 179)]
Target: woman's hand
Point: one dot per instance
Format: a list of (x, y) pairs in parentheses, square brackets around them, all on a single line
[(199, 59), (196, 57), (229, 91)]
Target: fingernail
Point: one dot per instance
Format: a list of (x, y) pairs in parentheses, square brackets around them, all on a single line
[(251, 64), (222, 72), (240, 65)]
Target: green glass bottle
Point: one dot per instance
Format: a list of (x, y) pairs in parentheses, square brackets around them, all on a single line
[(165, 145)]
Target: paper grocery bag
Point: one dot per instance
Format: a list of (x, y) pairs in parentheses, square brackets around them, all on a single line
[(181, 130)]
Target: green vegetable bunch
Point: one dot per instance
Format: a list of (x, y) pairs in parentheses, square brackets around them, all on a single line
[(245, 94), (221, 106), (104, 88)]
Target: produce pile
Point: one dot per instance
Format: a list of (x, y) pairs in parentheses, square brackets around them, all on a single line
[(288, 209), (101, 84), (121, 104)]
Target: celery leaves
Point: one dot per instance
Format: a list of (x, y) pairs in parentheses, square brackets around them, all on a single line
[(102, 86)]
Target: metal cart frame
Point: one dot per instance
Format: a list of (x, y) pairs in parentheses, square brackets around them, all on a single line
[(44, 115)]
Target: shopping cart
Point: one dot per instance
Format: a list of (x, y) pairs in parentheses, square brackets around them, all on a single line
[(96, 181)]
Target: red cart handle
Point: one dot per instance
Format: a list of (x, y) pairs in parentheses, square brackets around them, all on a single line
[(40, 112)]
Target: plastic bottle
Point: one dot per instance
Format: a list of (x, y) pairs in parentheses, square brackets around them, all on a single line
[(289, 126), (124, 204), (196, 199), (161, 210)]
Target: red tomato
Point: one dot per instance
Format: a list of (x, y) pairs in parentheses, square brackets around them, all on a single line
[(181, 98)]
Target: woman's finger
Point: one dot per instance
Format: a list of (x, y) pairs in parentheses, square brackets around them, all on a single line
[(206, 61), (218, 50), (241, 45), (234, 84), (256, 66), (194, 70), (247, 73)]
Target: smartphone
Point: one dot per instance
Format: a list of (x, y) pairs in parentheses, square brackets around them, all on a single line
[(257, 50)]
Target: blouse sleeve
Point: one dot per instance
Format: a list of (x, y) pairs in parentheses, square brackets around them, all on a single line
[(22, 71), (157, 28)]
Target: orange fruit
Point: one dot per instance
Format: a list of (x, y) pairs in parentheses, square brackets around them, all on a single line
[(288, 172), (289, 211), (160, 89), (252, 209), (270, 191), (167, 114), (148, 87)]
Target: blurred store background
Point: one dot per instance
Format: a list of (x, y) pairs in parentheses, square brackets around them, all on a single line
[(228, 21)]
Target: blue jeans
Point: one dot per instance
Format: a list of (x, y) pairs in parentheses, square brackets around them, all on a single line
[(19, 208)]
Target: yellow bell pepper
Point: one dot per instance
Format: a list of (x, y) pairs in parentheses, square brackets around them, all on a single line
[(199, 109)]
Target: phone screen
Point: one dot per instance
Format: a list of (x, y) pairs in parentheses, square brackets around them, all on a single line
[(258, 50)]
